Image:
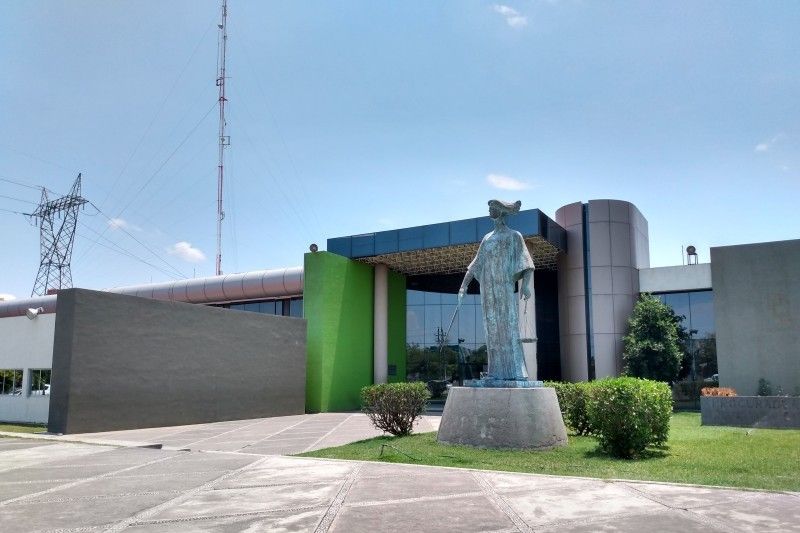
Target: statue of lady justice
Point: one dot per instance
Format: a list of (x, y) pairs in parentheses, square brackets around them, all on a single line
[(502, 260)]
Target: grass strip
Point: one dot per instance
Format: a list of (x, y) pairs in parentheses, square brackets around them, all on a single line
[(23, 428), (704, 455)]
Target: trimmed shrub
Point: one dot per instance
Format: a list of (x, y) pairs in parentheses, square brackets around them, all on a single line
[(629, 414), (572, 398), (717, 391), (393, 407)]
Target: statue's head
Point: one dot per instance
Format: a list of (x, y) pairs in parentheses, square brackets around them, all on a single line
[(498, 209)]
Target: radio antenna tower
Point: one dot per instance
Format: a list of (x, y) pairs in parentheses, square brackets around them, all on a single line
[(223, 139), (56, 220)]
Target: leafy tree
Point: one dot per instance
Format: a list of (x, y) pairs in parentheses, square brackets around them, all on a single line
[(653, 348)]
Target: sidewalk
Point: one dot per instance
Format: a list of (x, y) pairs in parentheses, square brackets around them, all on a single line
[(47, 485)]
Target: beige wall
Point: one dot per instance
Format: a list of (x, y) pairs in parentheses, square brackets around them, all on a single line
[(618, 247), (757, 315)]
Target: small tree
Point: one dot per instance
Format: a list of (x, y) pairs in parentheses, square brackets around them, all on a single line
[(653, 346)]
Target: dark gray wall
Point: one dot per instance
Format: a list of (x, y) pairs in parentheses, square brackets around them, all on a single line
[(757, 314), (122, 362)]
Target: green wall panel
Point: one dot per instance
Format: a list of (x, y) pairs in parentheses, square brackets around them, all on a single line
[(397, 326), (338, 305)]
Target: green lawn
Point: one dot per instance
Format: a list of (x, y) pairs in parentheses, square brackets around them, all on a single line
[(23, 428), (735, 457)]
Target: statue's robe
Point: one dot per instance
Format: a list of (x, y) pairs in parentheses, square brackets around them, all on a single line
[(501, 261)]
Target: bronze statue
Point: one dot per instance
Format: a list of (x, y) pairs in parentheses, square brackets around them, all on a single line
[(502, 260)]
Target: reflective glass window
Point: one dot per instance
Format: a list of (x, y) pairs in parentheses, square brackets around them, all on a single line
[(296, 307), (433, 298), (11, 381), (415, 321), (415, 298), (702, 307), (679, 302), (40, 381)]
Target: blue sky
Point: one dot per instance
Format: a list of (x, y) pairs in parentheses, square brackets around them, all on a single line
[(350, 117)]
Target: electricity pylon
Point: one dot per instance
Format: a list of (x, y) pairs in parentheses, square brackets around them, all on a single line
[(56, 220)]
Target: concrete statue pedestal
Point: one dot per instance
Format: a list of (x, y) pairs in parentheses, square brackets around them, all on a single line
[(503, 417)]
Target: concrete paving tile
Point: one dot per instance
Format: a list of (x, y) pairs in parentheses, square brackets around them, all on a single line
[(196, 462), (664, 522), (57, 473), (134, 484), (421, 483), (505, 482), (76, 513), (765, 512), (20, 444), (281, 470), (273, 523), (37, 455), (272, 450), (124, 456), (568, 503), (465, 514), (15, 490), (259, 499), (682, 497)]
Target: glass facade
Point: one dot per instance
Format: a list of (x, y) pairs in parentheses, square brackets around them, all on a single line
[(431, 353), (696, 310), (434, 355), (285, 307)]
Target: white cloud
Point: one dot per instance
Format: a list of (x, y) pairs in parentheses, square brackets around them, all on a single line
[(7, 297), (767, 145), (507, 183), (121, 223), (513, 17), (187, 252)]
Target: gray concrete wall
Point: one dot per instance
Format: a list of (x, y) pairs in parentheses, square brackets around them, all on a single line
[(757, 314), (122, 362), (675, 278), (779, 412)]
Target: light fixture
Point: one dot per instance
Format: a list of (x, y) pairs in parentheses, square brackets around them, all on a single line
[(313, 247), (32, 313)]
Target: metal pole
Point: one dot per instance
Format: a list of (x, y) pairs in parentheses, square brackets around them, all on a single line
[(223, 140)]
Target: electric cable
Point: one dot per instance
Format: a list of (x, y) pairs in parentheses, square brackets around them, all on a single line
[(115, 247), (267, 107), (158, 111), (132, 236)]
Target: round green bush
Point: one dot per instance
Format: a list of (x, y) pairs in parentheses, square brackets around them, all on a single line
[(572, 398), (629, 414), (393, 407)]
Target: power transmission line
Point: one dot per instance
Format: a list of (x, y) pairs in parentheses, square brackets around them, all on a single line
[(112, 222), (115, 247)]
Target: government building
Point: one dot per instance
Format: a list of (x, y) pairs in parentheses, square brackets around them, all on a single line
[(377, 307)]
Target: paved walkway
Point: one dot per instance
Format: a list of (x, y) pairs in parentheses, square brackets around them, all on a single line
[(283, 435), (64, 486)]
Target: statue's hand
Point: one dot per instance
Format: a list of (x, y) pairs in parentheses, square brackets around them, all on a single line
[(526, 292), (461, 292)]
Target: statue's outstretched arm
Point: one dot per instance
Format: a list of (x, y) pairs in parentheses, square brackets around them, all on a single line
[(527, 278), (465, 284)]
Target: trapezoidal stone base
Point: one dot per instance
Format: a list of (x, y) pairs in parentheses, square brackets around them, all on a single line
[(511, 418)]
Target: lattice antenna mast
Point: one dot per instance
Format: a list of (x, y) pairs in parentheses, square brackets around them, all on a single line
[(223, 139), (56, 220)]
